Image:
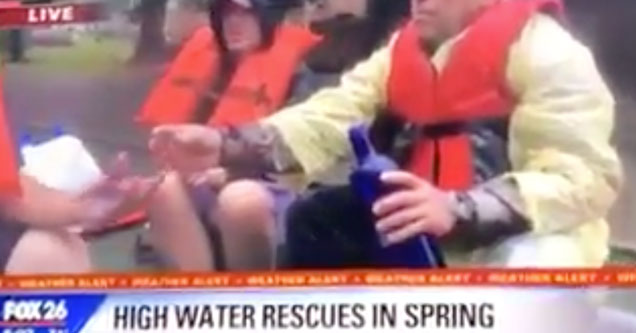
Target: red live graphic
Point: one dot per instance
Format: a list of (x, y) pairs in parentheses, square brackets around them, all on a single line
[(50, 14)]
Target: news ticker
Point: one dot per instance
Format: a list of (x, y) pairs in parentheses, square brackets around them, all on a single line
[(51, 14), (615, 277), (358, 301)]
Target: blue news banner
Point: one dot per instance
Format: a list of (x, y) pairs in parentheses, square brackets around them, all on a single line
[(47, 313), (359, 309)]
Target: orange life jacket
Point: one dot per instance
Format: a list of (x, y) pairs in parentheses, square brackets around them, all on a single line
[(9, 174), (259, 86), (471, 86)]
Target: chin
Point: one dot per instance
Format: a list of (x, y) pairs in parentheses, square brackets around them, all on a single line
[(238, 48), (427, 35)]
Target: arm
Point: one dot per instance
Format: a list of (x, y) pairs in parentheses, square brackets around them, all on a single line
[(564, 171), (42, 207), (116, 194), (312, 136)]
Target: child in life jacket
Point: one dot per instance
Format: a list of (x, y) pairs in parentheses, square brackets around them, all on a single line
[(241, 67)]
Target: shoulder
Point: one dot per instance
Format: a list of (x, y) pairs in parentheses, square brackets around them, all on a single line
[(546, 50), (546, 36)]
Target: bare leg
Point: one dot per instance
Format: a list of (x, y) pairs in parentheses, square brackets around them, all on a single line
[(49, 252), (176, 230), (245, 217)]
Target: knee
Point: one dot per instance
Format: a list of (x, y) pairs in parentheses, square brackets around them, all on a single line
[(45, 251), (246, 201)]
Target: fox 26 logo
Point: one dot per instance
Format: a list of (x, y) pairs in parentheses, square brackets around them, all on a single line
[(34, 310)]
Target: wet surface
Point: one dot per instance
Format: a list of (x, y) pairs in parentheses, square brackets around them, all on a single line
[(99, 109)]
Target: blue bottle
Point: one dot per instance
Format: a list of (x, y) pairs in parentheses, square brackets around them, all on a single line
[(420, 252)]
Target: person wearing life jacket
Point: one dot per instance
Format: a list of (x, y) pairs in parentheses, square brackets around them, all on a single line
[(504, 127), (34, 219), (242, 67)]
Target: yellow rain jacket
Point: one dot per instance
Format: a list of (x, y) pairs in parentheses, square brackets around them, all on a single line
[(559, 147)]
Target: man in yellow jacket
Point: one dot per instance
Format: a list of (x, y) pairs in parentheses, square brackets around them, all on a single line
[(508, 123)]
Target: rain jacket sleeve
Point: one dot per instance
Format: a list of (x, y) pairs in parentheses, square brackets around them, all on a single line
[(567, 172), (316, 130)]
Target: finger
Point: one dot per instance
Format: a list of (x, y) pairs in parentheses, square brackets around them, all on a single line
[(162, 162), (157, 151), (140, 198), (409, 231), (147, 187), (175, 159), (119, 167), (197, 179), (187, 164), (136, 192), (104, 184), (402, 179), (216, 177), (401, 218), (152, 183), (163, 133), (161, 137), (193, 179), (156, 147), (126, 186), (397, 200), (176, 134)]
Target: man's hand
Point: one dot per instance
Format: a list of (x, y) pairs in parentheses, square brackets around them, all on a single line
[(417, 208), (214, 177), (187, 149), (117, 194)]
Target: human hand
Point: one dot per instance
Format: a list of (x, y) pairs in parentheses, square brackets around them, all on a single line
[(416, 209), (187, 149), (213, 177), (118, 193)]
